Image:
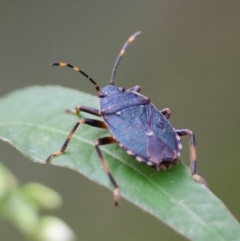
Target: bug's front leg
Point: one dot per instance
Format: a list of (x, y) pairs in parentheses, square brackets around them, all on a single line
[(166, 112), (86, 109), (105, 141), (136, 88), (91, 122), (193, 155)]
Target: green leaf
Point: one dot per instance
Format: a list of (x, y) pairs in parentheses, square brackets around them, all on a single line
[(41, 196), (16, 208), (7, 181), (33, 120), (54, 229)]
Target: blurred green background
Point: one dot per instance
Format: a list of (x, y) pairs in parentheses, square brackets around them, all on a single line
[(187, 58)]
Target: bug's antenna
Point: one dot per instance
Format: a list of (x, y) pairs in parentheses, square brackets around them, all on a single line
[(131, 39), (61, 64)]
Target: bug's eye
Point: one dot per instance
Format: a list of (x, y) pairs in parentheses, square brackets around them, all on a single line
[(121, 89)]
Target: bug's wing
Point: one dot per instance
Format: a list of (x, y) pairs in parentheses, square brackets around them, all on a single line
[(158, 150), (144, 131), (161, 137), (128, 127)]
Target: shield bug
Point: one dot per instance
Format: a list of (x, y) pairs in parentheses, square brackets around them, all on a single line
[(135, 124)]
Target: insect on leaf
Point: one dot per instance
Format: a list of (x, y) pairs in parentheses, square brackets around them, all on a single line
[(33, 121)]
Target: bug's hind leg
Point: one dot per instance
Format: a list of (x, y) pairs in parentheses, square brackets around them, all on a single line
[(136, 88), (166, 112), (86, 109), (105, 141), (193, 155), (91, 122)]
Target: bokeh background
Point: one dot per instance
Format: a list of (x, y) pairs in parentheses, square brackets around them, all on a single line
[(187, 58)]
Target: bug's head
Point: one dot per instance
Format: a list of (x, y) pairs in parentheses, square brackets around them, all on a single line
[(110, 90)]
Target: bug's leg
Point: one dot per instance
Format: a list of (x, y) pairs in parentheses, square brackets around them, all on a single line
[(166, 112), (105, 141), (86, 109), (136, 88), (193, 155), (91, 122)]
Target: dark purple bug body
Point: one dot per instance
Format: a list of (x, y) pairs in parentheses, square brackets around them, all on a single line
[(135, 124)]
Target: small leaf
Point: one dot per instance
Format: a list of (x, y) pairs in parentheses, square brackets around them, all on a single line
[(33, 120), (7, 181), (17, 209), (42, 196), (54, 229)]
